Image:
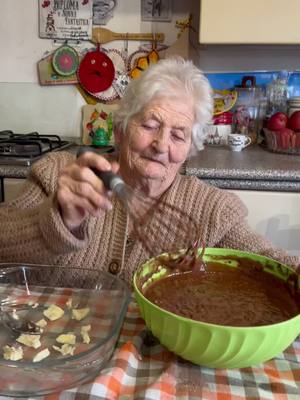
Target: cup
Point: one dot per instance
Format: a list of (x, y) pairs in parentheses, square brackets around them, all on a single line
[(237, 142)]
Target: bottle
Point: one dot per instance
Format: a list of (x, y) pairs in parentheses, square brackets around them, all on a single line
[(277, 94)]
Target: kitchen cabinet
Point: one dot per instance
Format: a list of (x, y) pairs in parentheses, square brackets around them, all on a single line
[(249, 22), (275, 215), (12, 188)]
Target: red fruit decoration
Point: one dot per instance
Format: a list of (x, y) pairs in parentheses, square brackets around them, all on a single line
[(277, 121), (294, 121)]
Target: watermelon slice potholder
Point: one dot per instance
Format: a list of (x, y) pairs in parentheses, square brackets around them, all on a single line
[(65, 60)]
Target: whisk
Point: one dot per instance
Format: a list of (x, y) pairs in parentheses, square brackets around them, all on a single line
[(149, 216)]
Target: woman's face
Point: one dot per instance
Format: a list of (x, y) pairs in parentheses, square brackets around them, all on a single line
[(157, 142)]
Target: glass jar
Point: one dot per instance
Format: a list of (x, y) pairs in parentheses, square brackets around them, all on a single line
[(277, 94)]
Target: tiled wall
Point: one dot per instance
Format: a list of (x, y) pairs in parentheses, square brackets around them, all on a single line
[(230, 79)]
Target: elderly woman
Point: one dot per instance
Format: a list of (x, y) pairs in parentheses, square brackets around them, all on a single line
[(66, 216)]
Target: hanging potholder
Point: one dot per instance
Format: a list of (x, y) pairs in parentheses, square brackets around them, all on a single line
[(121, 78), (143, 62), (65, 60), (96, 72)]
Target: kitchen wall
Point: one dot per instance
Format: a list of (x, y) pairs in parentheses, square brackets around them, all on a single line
[(24, 104), (218, 58)]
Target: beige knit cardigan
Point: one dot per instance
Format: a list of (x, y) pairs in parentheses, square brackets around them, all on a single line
[(32, 230)]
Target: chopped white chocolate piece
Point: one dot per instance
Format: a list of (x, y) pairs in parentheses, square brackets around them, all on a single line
[(80, 313), (66, 338), (41, 355), (14, 314), (84, 333), (65, 349), (41, 323), (30, 340), (12, 353), (69, 303), (35, 305), (53, 312)]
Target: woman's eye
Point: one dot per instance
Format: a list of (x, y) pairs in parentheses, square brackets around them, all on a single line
[(178, 135), (149, 127)]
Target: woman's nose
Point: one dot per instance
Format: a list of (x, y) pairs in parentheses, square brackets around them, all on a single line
[(161, 141)]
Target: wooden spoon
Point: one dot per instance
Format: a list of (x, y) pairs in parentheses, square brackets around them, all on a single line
[(103, 35)]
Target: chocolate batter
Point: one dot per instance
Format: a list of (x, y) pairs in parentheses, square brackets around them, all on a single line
[(222, 295)]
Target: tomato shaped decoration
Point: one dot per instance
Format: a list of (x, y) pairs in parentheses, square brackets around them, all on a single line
[(96, 72)]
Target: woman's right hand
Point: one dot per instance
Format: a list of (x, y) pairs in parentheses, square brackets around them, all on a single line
[(81, 192)]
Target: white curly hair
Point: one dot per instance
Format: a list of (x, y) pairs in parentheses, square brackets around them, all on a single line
[(173, 76)]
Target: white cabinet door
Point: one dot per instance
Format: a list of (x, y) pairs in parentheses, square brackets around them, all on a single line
[(249, 22), (275, 215)]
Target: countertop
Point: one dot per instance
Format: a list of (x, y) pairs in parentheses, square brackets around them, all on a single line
[(21, 171), (253, 169)]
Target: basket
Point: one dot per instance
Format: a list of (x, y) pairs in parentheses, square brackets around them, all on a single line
[(274, 143)]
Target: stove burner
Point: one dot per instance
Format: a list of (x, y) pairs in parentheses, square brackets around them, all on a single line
[(24, 149)]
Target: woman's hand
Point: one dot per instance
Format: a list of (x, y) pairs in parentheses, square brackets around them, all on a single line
[(81, 192)]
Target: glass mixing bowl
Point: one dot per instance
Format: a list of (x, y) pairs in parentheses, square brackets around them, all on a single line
[(217, 346), (87, 297)]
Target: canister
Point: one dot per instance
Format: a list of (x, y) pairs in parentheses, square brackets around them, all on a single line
[(246, 110)]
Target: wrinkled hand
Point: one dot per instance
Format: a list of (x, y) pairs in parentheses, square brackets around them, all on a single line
[(81, 192)]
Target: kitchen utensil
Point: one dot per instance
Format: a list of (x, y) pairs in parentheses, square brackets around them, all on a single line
[(147, 215), (48, 76), (65, 60), (104, 35), (211, 345), (104, 296)]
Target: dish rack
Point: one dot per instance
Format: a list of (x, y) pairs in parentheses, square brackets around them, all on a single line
[(277, 145)]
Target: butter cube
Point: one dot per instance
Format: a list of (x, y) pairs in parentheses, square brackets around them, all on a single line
[(80, 313), (65, 349), (41, 323), (68, 338), (30, 340), (41, 355), (84, 333), (53, 312), (12, 353)]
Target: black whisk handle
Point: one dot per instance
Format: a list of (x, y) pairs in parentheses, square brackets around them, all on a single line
[(109, 178)]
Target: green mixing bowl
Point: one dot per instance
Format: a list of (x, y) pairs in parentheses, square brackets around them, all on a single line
[(213, 345)]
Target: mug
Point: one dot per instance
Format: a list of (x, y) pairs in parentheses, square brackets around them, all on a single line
[(237, 142)]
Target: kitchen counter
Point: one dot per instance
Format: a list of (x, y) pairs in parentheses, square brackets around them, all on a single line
[(251, 169), (21, 171), (254, 169)]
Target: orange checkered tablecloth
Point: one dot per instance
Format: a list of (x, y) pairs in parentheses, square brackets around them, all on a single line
[(142, 369)]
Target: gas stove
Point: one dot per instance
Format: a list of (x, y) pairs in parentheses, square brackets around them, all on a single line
[(25, 149)]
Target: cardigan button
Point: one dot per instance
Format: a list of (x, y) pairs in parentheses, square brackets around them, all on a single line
[(114, 267)]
